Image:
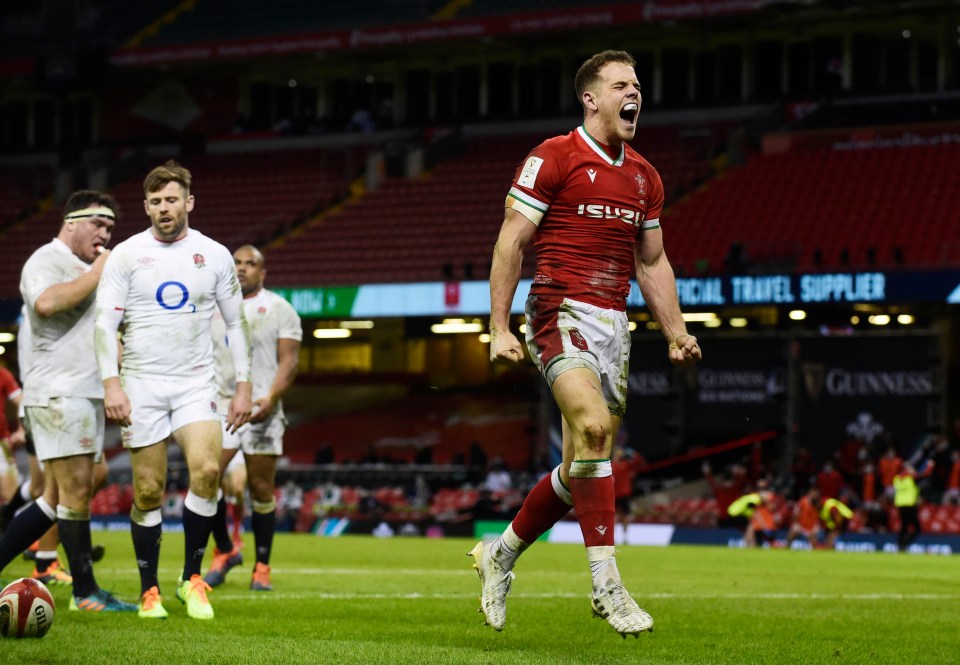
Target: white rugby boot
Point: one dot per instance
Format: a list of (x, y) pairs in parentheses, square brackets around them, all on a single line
[(621, 611), (495, 585)]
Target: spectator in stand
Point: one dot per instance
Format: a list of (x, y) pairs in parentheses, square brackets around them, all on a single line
[(173, 505), (939, 451), (803, 469), (907, 500), (872, 499), (889, 466), (487, 507), (626, 464), (498, 478), (421, 494), (477, 461), (849, 460), (331, 498), (806, 518), (952, 493), (757, 465), (726, 491), (291, 501), (829, 481)]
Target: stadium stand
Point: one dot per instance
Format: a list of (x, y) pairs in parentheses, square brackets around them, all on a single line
[(824, 209), (192, 22), (813, 209), (396, 431), (210, 20), (444, 225), (241, 198), (391, 503), (34, 27), (23, 191)]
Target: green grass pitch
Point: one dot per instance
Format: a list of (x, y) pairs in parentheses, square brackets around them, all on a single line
[(359, 599)]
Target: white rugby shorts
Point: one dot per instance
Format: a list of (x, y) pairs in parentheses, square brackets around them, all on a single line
[(66, 426), (564, 334), (264, 438), (159, 408)]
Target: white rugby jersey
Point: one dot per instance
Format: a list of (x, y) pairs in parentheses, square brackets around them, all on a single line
[(61, 357), (24, 343), (166, 294), (271, 318)]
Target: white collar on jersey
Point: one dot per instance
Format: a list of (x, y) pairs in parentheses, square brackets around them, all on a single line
[(597, 148)]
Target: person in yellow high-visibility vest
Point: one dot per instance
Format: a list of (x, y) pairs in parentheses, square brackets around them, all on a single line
[(756, 507), (834, 515), (906, 497)]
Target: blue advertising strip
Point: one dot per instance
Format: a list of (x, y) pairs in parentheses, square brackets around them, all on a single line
[(816, 288), (851, 542), (569, 532), (804, 289), (473, 298)]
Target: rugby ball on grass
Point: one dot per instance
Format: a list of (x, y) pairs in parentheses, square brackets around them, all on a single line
[(26, 609)]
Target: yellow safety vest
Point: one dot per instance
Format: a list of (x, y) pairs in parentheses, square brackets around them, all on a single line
[(745, 505), (906, 492), (826, 513)]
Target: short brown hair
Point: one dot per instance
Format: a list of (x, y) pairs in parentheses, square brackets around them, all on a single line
[(159, 177), (88, 198), (589, 71)]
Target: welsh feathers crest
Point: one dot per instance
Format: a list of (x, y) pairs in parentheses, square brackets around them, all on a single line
[(641, 186)]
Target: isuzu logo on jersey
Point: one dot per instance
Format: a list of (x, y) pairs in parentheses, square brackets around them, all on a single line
[(597, 211)]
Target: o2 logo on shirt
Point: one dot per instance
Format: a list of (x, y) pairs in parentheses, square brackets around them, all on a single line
[(179, 290)]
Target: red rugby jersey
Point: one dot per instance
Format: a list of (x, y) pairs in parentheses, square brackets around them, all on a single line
[(9, 389), (589, 209)]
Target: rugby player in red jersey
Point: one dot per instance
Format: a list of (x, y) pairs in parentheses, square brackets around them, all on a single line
[(590, 205)]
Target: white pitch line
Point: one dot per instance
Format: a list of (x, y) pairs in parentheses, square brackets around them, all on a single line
[(411, 572), (280, 595)]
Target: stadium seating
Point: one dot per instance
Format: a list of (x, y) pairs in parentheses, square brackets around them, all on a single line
[(825, 209), (240, 198), (394, 432), (215, 20), (454, 504), (115, 499), (444, 224), (22, 190)]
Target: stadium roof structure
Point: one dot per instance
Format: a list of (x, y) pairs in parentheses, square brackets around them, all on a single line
[(216, 31)]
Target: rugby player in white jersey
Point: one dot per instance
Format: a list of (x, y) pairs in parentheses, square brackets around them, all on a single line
[(165, 284), (275, 333), (63, 396), (44, 551)]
